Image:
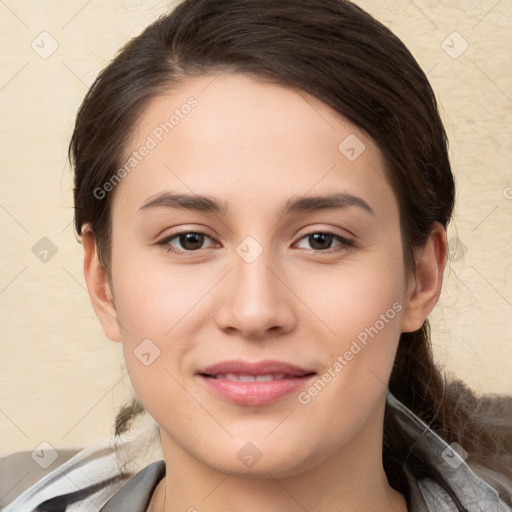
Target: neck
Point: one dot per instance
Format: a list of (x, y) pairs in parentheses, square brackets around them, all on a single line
[(352, 479)]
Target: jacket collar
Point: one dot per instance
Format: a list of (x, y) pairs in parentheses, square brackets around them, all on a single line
[(135, 494)]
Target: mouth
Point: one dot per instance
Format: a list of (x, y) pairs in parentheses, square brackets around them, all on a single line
[(250, 378), (254, 383)]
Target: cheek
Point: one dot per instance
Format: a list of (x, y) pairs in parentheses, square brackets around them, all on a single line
[(155, 300), (360, 308), (155, 309), (347, 299), (161, 309), (365, 315)]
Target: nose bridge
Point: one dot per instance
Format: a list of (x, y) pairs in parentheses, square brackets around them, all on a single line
[(254, 300), (252, 277)]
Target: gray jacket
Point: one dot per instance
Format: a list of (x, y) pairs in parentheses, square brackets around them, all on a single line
[(90, 479)]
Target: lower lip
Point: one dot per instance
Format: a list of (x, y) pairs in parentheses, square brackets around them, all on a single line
[(254, 393)]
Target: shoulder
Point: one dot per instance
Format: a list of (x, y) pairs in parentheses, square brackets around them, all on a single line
[(449, 464), (91, 473), (20, 470)]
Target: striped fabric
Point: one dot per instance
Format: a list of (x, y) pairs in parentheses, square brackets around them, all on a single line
[(92, 481)]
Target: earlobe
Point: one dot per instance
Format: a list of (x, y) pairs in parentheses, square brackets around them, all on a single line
[(99, 287), (425, 284)]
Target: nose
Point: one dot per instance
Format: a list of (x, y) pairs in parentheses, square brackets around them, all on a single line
[(255, 301)]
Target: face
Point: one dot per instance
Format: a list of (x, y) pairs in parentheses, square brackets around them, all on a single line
[(257, 276)]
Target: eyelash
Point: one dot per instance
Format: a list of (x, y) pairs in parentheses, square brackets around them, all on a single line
[(344, 242)]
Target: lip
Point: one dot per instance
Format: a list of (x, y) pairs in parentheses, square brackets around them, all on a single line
[(290, 379)]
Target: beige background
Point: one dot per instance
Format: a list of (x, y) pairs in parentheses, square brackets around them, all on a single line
[(61, 381)]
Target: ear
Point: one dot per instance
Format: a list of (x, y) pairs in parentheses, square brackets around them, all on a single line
[(99, 286), (424, 285)]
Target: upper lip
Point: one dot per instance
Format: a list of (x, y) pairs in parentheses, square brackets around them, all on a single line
[(266, 367)]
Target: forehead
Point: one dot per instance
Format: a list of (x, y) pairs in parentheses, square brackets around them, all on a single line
[(239, 138)]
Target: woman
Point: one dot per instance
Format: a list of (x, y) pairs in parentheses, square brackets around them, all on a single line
[(262, 190)]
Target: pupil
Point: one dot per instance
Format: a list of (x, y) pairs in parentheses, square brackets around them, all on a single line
[(317, 238), (191, 241)]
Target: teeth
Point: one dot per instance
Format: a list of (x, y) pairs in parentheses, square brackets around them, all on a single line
[(264, 378), (251, 378)]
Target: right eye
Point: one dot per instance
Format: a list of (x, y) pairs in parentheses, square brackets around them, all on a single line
[(190, 241)]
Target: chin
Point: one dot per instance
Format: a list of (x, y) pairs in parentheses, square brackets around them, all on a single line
[(262, 459)]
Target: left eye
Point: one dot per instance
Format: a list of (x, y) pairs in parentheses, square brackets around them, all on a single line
[(192, 241), (321, 241)]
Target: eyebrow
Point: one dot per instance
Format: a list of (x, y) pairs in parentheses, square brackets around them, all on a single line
[(293, 205)]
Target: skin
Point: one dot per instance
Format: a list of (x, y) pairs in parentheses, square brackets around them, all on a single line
[(254, 146)]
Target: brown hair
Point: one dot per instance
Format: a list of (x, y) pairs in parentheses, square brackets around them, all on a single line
[(338, 53)]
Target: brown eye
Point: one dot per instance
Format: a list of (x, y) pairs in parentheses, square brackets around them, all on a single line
[(186, 241), (191, 241), (322, 241)]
